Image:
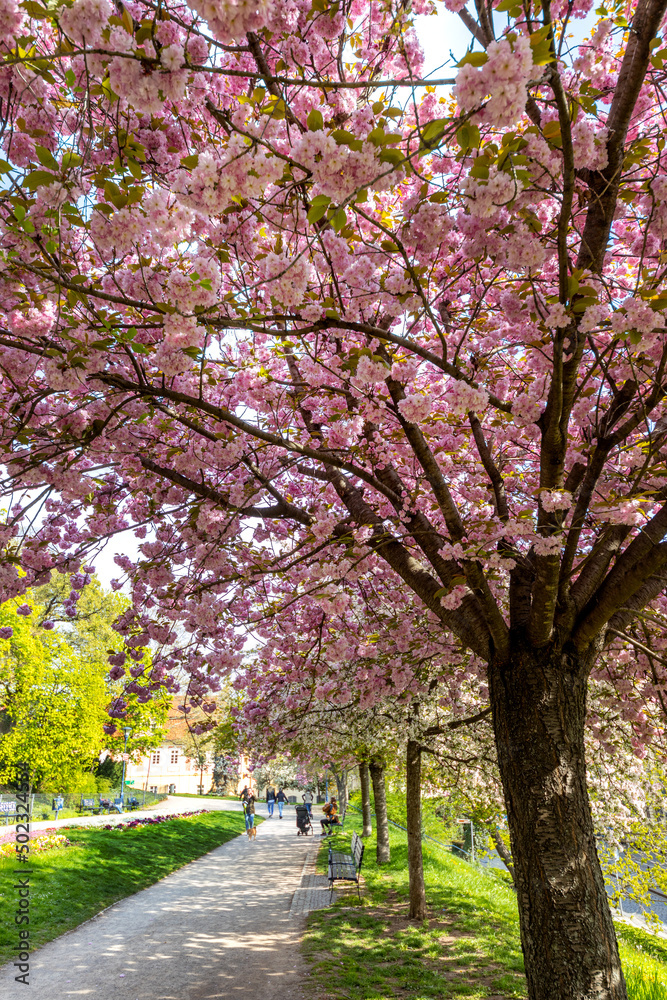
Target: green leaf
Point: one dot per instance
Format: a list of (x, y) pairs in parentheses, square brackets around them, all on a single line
[(46, 158), (339, 219), (480, 168), (5, 167), (539, 35), (39, 178), (376, 136), (318, 208), (433, 132), (468, 137), (71, 159), (35, 9), (551, 132), (474, 58), (315, 121), (543, 53), (190, 161), (394, 156)]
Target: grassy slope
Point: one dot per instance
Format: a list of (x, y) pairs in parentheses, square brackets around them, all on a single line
[(468, 947), (72, 884)]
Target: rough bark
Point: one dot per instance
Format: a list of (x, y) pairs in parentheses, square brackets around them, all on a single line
[(341, 787), (366, 815), (383, 853), (567, 935), (414, 822)]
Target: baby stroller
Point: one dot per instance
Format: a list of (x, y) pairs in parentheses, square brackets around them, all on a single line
[(304, 826)]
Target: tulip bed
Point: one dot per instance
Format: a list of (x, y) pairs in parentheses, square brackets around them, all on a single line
[(152, 820), (102, 865), (48, 841)]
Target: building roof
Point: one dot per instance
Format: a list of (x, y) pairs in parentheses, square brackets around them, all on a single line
[(177, 726)]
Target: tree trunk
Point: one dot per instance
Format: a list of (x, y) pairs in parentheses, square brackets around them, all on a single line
[(502, 849), (365, 779), (341, 787), (383, 853), (567, 934), (413, 806)]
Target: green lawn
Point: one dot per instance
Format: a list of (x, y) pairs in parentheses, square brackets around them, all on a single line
[(469, 946), (71, 884)]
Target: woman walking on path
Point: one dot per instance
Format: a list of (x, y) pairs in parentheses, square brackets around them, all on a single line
[(270, 800), (308, 801), (249, 811), (281, 799)]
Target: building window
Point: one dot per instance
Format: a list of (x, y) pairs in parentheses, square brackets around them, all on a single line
[(153, 789), (155, 759), (174, 756)]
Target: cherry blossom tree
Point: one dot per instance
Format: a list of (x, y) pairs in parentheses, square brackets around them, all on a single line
[(294, 315)]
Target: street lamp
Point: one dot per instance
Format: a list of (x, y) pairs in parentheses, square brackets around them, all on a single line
[(126, 732)]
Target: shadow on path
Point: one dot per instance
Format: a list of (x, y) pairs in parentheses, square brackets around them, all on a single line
[(218, 928)]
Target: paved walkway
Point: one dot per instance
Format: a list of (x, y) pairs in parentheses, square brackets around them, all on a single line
[(225, 926), (172, 804)]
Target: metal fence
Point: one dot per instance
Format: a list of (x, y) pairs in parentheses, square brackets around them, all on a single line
[(42, 803)]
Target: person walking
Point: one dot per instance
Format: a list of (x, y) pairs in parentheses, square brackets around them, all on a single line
[(281, 799), (249, 811), (270, 800), (308, 801)]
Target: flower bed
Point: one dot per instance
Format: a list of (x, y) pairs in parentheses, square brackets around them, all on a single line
[(46, 842), (152, 820)]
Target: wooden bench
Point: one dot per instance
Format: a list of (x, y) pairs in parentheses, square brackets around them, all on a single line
[(346, 867)]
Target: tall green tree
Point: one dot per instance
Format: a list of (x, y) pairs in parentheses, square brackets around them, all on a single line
[(55, 687), (53, 703)]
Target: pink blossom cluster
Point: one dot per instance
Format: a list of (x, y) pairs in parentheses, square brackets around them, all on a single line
[(499, 84)]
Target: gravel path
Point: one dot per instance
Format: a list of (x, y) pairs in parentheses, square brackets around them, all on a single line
[(218, 928)]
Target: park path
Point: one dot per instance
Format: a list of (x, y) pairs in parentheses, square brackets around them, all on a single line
[(172, 804), (220, 927)]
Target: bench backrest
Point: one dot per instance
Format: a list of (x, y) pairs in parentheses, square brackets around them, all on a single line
[(88, 803), (118, 802), (8, 807), (357, 850)]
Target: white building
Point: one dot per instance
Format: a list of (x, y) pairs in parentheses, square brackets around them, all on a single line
[(168, 769)]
